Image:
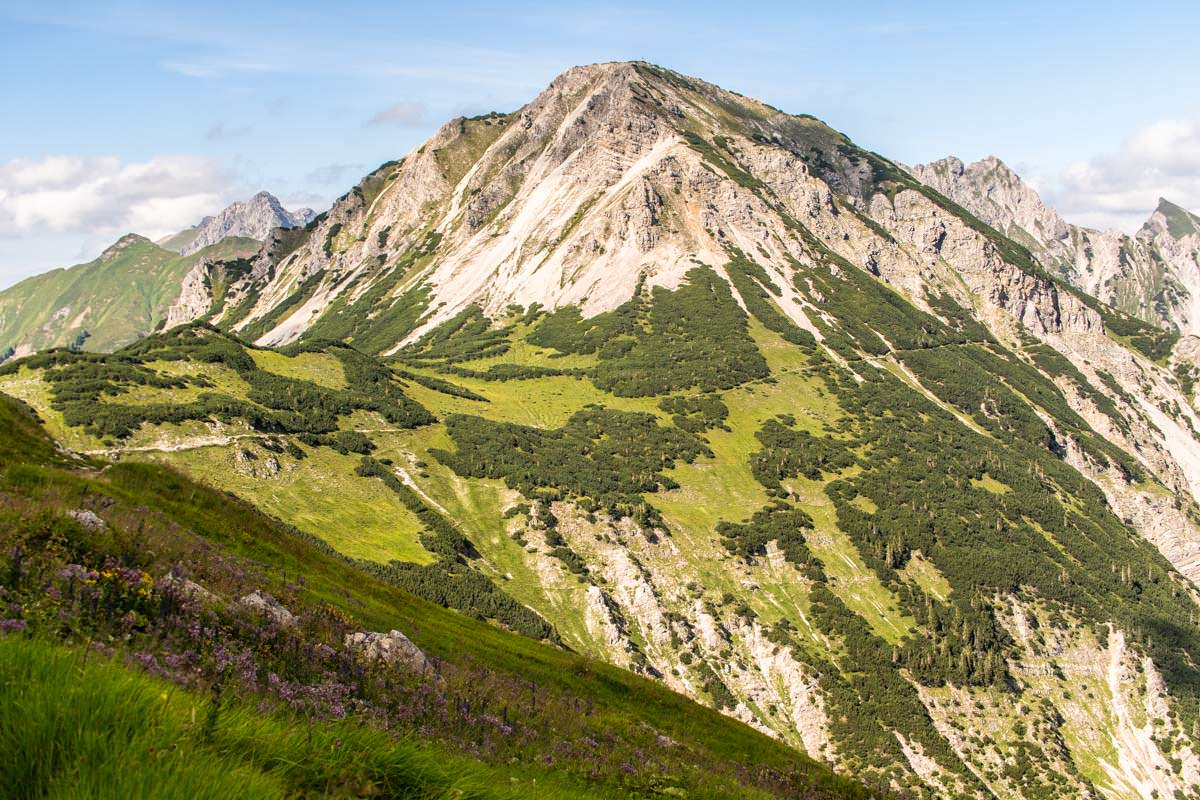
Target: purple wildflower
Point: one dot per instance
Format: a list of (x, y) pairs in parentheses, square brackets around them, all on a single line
[(8, 626)]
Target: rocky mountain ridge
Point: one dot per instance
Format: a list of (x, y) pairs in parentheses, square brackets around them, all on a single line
[(249, 219), (1154, 274)]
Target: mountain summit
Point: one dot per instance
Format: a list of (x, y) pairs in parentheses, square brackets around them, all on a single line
[(616, 176), (251, 219), (1176, 221), (992, 191)]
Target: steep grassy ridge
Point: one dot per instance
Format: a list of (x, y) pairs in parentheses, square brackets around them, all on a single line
[(106, 303)]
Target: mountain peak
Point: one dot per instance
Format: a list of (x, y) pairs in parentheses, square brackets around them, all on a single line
[(265, 198), (254, 218), (614, 175), (117, 247), (997, 195), (1172, 220), (998, 165)]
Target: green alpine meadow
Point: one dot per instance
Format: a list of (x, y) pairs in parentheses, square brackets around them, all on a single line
[(645, 441)]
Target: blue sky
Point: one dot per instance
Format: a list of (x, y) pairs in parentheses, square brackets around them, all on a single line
[(145, 116)]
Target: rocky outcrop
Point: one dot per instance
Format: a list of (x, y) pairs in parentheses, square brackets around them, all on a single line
[(253, 219), (1154, 275), (185, 588), (89, 520), (392, 647), (266, 605)]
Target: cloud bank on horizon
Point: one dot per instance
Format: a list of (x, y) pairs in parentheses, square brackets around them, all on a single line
[(103, 195), (144, 117), (69, 208)]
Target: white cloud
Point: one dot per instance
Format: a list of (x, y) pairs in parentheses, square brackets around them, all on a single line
[(221, 67), (65, 209), (222, 132), (1121, 189), (102, 195), (404, 114), (192, 70)]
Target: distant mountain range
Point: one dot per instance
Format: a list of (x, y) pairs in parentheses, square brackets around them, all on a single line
[(131, 287)]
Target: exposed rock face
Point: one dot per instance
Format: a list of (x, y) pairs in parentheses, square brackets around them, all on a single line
[(254, 219), (998, 196), (940, 237), (1185, 361), (195, 297), (1154, 275)]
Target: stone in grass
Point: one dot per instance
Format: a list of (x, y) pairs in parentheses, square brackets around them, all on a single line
[(191, 590), (272, 608), (392, 647), (88, 519)]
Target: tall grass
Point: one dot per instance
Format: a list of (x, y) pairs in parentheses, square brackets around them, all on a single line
[(74, 728)]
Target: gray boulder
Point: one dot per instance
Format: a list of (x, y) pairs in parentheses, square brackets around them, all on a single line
[(272, 608), (392, 647)]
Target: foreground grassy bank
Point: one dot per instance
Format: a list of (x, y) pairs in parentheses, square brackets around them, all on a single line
[(74, 726)]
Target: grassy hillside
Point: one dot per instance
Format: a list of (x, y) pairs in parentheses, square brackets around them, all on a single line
[(105, 303), (177, 241), (120, 716), (126, 616)]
